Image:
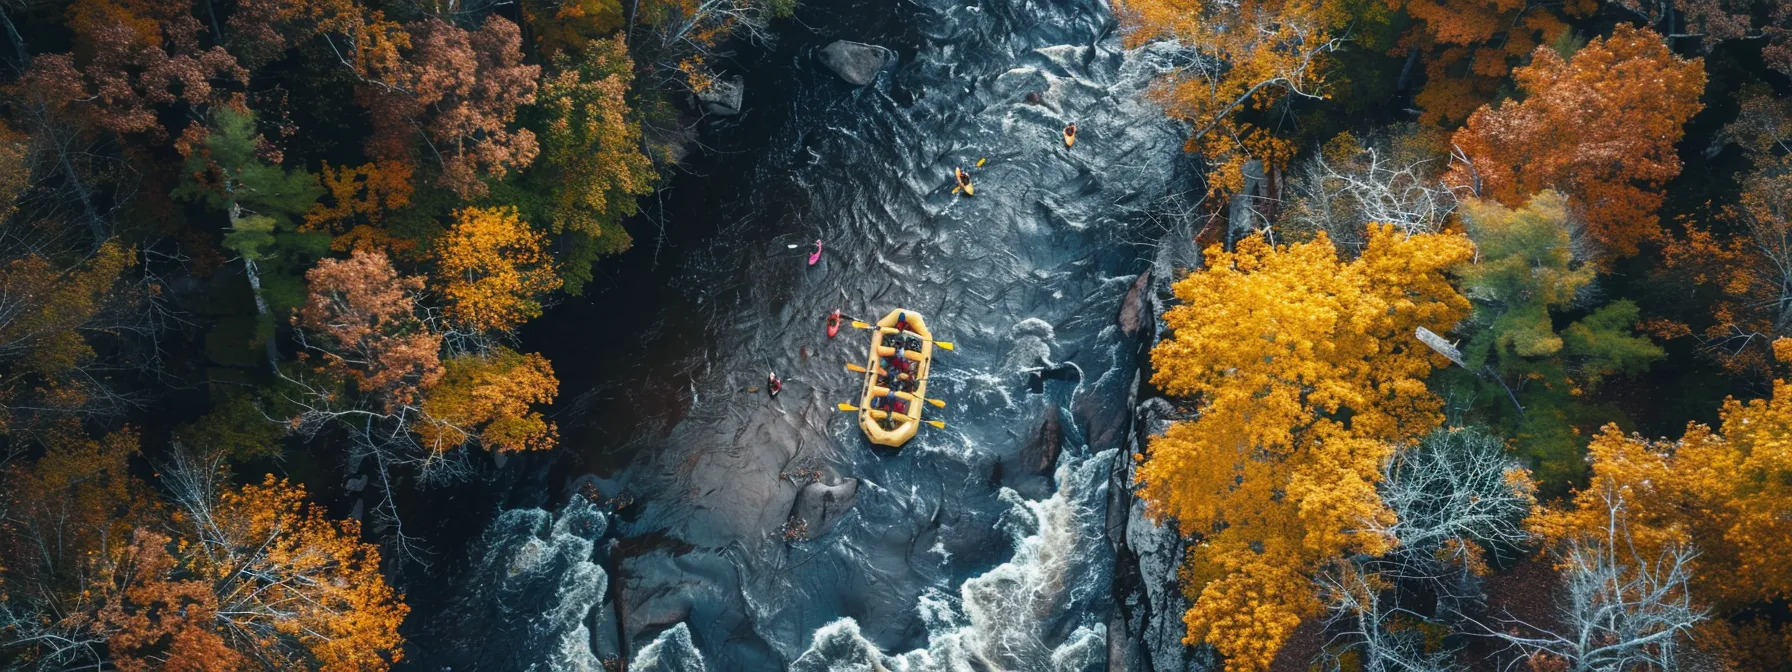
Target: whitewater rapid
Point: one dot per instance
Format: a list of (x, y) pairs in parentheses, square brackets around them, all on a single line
[(980, 546)]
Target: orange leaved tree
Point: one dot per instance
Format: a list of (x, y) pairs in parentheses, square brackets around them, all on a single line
[(1469, 47), (1306, 370), (363, 320), (1599, 127)]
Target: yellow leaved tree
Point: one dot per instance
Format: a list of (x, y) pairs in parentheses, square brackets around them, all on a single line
[(494, 268), (1306, 370), (1725, 493)]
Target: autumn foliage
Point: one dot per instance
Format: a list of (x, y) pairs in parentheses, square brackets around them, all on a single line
[(1722, 492), (217, 579), (1256, 55), (1306, 372), (1600, 127), (486, 400), (494, 269), (1470, 46), (453, 98), (364, 317)]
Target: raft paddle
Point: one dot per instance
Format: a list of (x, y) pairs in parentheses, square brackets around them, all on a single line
[(947, 345), (855, 368), (937, 424), (911, 397)]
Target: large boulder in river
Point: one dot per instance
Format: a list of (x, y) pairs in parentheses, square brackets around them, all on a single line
[(722, 97), (672, 651), (1029, 471), (855, 62)]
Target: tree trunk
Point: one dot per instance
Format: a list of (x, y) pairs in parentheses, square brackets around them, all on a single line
[(95, 224), (1412, 59), (18, 42), (261, 303), (628, 36)]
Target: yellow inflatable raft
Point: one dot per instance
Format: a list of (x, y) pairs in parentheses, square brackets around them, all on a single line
[(895, 426)]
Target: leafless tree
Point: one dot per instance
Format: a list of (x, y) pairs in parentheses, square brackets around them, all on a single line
[(1621, 609), (1374, 184), (1455, 495), (1361, 616)]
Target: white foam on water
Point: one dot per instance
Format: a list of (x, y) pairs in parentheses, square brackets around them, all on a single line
[(1006, 618)]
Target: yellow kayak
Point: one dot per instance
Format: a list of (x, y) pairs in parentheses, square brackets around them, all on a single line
[(890, 407)]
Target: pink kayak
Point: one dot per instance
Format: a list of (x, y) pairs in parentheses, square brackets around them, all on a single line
[(816, 255)]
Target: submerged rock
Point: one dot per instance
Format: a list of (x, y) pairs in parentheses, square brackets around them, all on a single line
[(855, 62), (819, 507), (723, 97)]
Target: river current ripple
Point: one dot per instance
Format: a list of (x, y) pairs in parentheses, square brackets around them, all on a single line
[(977, 547)]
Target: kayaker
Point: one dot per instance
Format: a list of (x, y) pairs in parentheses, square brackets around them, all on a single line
[(773, 384), (1070, 134), (964, 179)]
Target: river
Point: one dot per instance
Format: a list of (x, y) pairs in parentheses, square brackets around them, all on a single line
[(981, 546)]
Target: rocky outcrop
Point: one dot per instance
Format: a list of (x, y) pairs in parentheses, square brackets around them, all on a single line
[(819, 507), (1134, 311), (672, 651), (723, 97), (1246, 214), (855, 62), (1029, 471), (1146, 627)]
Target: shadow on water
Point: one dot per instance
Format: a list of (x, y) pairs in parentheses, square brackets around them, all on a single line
[(980, 542)]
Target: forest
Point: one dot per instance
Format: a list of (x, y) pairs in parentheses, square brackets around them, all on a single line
[(1485, 362)]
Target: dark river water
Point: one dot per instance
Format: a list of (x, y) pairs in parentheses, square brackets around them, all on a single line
[(980, 546)]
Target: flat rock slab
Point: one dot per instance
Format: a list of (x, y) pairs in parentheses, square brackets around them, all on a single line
[(856, 62)]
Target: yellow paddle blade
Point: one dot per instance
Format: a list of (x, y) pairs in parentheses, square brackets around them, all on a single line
[(945, 344), (860, 325), (982, 161), (854, 368), (846, 407), (937, 424), (955, 190), (937, 402)]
